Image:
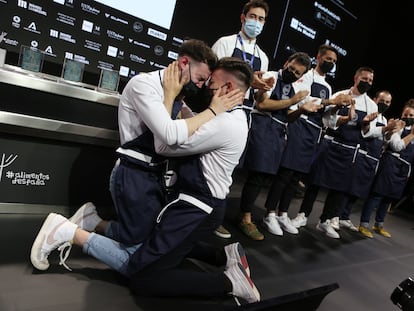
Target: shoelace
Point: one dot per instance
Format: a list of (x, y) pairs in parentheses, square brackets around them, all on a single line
[(65, 249), (237, 301)]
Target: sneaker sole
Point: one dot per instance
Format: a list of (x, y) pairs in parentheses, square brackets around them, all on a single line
[(384, 235), (326, 233), (298, 226), (367, 236), (251, 285), (332, 236), (289, 230), (37, 245), (222, 235), (273, 232)]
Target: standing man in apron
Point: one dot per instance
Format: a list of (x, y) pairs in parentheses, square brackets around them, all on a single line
[(343, 153), (374, 147), (244, 45), (393, 174), (305, 135)]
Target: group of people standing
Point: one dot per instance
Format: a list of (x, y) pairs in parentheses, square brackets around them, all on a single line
[(300, 131), (175, 167)]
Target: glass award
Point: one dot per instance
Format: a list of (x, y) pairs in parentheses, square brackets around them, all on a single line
[(31, 58), (72, 70), (109, 80)]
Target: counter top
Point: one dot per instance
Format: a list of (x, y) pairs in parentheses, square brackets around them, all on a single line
[(47, 83)]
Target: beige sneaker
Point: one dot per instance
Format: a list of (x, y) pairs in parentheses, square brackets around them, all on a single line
[(250, 229)]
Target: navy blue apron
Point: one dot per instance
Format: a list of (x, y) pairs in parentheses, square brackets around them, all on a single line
[(268, 134), (335, 163), (139, 186), (183, 222), (305, 134), (394, 171), (366, 165)]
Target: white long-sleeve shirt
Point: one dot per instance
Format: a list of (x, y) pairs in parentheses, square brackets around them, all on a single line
[(396, 143), (142, 106), (220, 142)]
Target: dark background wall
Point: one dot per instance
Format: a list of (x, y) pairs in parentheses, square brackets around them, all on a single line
[(380, 38), (372, 33), (390, 52)]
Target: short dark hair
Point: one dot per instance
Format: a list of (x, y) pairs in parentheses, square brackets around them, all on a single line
[(199, 51), (378, 93), (409, 104), (323, 48), (302, 58), (238, 68), (364, 68), (256, 4)]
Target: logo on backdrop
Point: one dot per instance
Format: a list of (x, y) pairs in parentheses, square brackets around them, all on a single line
[(20, 177)]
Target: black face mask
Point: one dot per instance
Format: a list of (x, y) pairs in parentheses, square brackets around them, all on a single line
[(200, 101), (408, 121), (363, 87), (207, 94), (326, 66), (382, 107), (288, 76), (190, 89)]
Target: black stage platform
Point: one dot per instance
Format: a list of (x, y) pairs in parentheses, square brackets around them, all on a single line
[(355, 273)]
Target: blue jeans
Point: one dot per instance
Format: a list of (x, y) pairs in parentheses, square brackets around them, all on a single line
[(110, 252), (105, 248), (112, 227), (374, 201)]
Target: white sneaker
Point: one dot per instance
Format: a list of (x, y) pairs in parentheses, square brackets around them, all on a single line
[(286, 225), (235, 254), (335, 223), (299, 221), (56, 232), (348, 224), (243, 286), (327, 228), (272, 225), (86, 217)]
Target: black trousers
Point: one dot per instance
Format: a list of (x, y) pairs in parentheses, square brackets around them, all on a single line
[(160, 261), (282, 190), (255, 182)]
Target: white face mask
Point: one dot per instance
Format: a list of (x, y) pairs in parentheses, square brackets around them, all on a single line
[(252, 28)]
